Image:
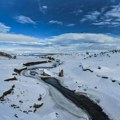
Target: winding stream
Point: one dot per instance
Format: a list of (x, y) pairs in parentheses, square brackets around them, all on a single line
[(87, 108), (92, 109)]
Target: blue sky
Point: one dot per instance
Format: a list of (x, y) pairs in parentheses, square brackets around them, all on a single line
[(53, 17), (43, 19)]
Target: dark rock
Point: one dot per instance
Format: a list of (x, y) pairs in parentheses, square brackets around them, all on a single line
[(61, 73), (11, 79)]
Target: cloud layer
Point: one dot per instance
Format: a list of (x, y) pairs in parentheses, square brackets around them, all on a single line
[(62, 43)]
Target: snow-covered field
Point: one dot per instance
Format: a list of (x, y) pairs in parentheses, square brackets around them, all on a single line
[(95, 74)]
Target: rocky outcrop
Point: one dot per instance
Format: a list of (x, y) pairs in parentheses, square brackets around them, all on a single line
[(3, 54)]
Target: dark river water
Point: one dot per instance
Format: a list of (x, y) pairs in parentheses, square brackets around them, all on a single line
[(92, 109)]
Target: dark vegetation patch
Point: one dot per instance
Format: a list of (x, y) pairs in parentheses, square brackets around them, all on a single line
[(25, 111), (106, 53), (7, 93), (16, 115), (99, 67), (20, 101), (36, 106), (14, 106), (49, 58), (3, 54), (40, 98), (95, 87), (10, 79), (113, 81), (18, 71), (34, 63), (86, 69), (104, 77)]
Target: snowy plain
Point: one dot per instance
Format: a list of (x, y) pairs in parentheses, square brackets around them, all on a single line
[(95, 74)]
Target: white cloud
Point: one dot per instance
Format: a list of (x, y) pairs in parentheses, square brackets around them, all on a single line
[(61, 23), (18, 43), (110, 18), (109, 23), (70, 25), (24, 20), (19, 39), (77, 12), (85, 41), (56, 22), (4, 28), (104, 17), (114, 12), (91, 16), (42, 8), (84, 38), (102, 23), (61, 43)]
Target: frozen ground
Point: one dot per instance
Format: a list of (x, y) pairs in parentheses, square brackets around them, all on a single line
[(94, 74)]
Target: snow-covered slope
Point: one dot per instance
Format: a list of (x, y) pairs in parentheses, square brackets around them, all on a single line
[(94, 74)]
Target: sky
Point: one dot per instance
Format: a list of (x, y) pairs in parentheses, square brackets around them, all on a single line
[(59, 24)]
